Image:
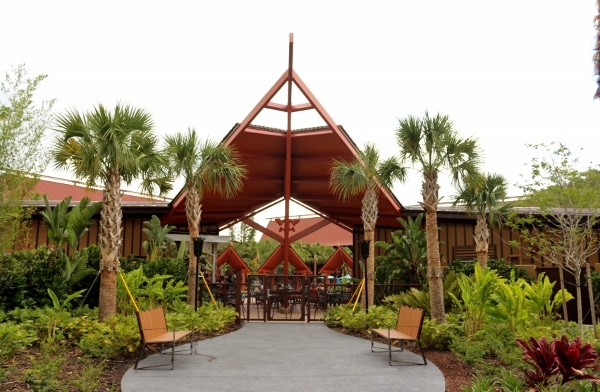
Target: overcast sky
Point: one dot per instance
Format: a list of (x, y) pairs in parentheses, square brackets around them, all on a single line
[(508, 73)]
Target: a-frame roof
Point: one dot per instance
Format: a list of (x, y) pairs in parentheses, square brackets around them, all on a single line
[(314, 230), (336, 260), (277, 257), (231, 257), (288, 161)]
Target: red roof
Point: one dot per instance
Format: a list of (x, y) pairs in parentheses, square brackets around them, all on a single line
[(318, 230), (335, 262), (57, 189), (288, 143), (231, 257), (276, 258)]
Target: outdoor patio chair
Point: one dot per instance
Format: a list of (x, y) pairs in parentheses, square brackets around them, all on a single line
[(408, 329), (153, 330)]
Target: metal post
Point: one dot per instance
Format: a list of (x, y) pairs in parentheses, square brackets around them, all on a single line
[(198, 244), (364, 250)]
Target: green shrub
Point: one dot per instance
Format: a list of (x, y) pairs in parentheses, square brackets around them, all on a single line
[(26, 277), (503, 270), (436, 336), (13, 337), (44, 370), (118, 335), (48, 324)]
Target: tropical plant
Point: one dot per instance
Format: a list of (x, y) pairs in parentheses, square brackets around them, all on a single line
[(207, 167), (157, 243), (482, 195), (569, 359), (365, 175), (475, 294), (66, 224), (107, 147), (432, 144), (404, 260)]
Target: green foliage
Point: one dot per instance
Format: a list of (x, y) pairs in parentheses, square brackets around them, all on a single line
[(509, 382), (488, 343), (29, 274), (439, 336), (66, 226), (13, 337), (475, 293), (404, 260), (42, 374), (542, 302), (419, 298), (118, 335), (562, 227), (503, 270), (210, 319), (510, 304), (481, 383), (89, 378), (157, 243), (23, 122), (344, 316), (148, 292)]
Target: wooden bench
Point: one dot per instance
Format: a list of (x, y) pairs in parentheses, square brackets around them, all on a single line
[(468, 253), (153, 330), (408, 328)]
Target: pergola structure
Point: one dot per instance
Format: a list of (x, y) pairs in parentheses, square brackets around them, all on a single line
[(289, 162)]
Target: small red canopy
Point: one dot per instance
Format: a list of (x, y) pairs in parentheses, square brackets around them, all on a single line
[(231, 257), (336, 260)]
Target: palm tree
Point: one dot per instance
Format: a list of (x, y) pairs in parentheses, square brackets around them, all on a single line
[(108, 148), (482, 196), (207, 167), (432, 144), (365, 175)]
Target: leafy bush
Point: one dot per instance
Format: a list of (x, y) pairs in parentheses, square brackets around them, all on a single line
[(14, 336), (503, 270), (26, 277), (148, 292), (118, 335), (437, 336)]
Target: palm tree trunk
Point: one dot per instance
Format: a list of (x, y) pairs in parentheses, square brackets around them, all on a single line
[(193, 211), (434, 268), (435, 275), (110, 239), (369, 215), (481, 238)]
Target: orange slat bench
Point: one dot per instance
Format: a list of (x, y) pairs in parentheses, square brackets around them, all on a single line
[(468, 253), (153, 330), (408, 328)]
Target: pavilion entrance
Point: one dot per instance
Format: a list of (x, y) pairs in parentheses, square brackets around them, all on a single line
[(273, 298)]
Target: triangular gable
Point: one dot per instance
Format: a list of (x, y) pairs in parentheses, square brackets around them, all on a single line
[(336, 260), (276, 258), (231, 257), (313, 230)]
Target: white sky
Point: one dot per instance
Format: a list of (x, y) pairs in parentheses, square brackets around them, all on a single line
[(507, 73)]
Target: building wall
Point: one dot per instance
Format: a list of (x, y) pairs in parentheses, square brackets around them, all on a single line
[(133, 235), (458, 231)]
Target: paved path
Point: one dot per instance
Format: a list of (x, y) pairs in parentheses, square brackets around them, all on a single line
[(285, 357)]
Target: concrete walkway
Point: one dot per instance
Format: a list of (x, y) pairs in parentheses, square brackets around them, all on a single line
[(285, 357)]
